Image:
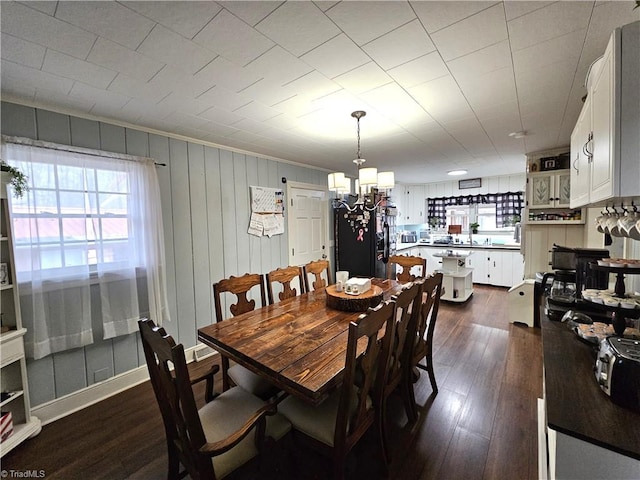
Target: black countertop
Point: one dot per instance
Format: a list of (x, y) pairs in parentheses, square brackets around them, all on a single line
[(575, 404)]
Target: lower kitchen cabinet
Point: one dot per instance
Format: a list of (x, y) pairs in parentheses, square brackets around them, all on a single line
[(502, 268)]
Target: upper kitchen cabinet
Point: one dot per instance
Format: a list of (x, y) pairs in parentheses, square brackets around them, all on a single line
[(549, 189), (605, 144), (413, 203)]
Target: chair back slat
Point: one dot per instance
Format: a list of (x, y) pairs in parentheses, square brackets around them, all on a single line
[(316, 270), (406, 262), (285, 276), (240, 287)]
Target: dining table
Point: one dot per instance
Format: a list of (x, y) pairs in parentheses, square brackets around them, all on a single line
[(298, 344)]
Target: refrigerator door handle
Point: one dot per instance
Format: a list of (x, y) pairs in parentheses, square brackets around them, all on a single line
[(385, 254)]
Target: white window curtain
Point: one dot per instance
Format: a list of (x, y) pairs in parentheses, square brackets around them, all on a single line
[(86, 220)]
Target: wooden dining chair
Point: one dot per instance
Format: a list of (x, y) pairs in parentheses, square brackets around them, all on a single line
[(407, 306), (406, 262), (317, 274), (335, 426), (423, 336), (285, 277), (215, 440), (240, 287)]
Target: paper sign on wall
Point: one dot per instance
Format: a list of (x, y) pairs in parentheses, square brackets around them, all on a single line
[(267, 211)]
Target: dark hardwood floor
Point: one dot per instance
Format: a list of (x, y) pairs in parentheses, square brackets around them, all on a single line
[(481, 424)]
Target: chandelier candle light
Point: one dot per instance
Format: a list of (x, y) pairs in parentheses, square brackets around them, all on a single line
[(368, 177)]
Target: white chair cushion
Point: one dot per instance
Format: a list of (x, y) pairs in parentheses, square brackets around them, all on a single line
[(316, 422), (251, 382), (226, 414)]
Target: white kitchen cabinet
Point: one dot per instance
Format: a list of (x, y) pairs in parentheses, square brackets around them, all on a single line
[(550, 189), (502, 268), (610, 144), (414, 204), (13, 369)]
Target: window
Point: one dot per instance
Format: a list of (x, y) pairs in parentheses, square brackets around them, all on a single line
[(89, 221)]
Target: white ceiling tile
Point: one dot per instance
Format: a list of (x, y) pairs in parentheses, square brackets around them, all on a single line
[(186, 120), (169, 47), (336, 56), (47, 6), (217, 129), (470, 134), (395, 102), (278, 65), (35, 78), (75, 69), (107, 19), (442, 99), (282, 122), (563, 50), (223, 98), (138, 89), (546, 23), (233, 39), (97, 95), (296, 106), (363, 78), (33, 26), (173, 15), (365, 21), (495, 87), (517, 8), (420, 70), (251, 11), (313, 85), (252, 126), (268, 92), (113, 56), (400, 45), (176, 101), (20, 51), (437, 15), (298, 27), (471, 34), (171, 78), (47, 97), (224, 73), (219, 115), (325, 5), (257, 111), (469, 67)]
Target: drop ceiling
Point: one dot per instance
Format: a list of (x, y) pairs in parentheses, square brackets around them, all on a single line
[(443, 83)]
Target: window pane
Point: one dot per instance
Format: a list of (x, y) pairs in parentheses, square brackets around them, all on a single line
[(47, 230), (74, 228), (74, 257), (44, 201), (113, 228), (42, 176), (71, 178), (112, 181), (72, 202), (114, 203)]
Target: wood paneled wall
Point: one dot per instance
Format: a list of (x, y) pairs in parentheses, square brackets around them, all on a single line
[(205, 205)]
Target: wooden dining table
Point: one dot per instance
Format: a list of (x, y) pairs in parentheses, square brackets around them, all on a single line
[(298, 344)]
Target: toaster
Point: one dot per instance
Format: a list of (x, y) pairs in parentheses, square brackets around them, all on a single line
[(617, 370)]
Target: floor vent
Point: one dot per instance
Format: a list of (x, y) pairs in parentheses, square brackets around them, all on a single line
[(202, 352)]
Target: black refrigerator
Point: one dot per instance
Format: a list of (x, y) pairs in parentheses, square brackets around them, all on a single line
[(364, 239)]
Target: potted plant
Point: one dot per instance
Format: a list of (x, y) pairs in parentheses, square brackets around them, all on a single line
[(18, 179), (474, 227)]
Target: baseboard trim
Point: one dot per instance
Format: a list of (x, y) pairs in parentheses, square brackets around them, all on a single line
[(61, 407)]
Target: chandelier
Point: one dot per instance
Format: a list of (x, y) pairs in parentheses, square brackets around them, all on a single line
[(369, 183)]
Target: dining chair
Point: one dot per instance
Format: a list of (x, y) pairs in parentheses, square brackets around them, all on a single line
[(240, 287), (406, 262), (423, 339), (316, 270), (336, 425), (284, 277), (216, 439), (407, 307)]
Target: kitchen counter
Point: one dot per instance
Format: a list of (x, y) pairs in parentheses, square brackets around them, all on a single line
[(465, 246), (575, 405)]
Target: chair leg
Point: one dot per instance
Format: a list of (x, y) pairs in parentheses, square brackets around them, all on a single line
[(382, 429), (432, 376), (173, 472), (410, 398)]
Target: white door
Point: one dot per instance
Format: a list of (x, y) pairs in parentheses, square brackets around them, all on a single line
[(308, 211)]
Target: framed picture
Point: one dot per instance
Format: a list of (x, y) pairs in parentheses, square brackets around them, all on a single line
[(470, 183), (4, 274)]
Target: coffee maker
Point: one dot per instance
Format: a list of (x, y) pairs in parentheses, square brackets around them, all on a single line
[(572, 274)]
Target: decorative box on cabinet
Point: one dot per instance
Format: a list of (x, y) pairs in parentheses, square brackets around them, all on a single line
[(605, 160), (13, 369)]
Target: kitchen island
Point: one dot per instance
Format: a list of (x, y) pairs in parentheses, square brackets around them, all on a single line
[(587, 435), (457, 279)]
